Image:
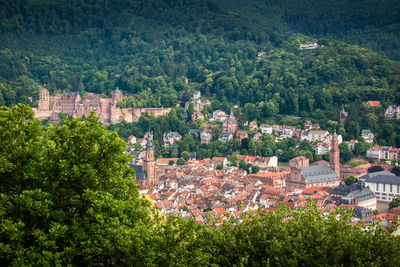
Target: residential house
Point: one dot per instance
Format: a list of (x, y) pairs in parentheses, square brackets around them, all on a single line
[(266, 129), (205, 137), (392, 112), (241, 135), (314, 135), (225, 136), (309, 126), (194, 132), (362, 197), (288, 131), (230, 124), (142, 143), (373, 103), (171, 138), (132, 140), (219, 115), (378, 152), (253, 126), (313, 45), (351, 144), (367, 135), (393, 154), (257, 136), (322, 148)]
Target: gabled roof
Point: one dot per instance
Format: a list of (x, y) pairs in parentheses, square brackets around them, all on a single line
[(384, 179), (361, 212), (319, 174), (373, 174), (361, 195)]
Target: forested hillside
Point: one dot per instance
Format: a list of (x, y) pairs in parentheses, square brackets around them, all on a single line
[(372, 23), (148, 48)]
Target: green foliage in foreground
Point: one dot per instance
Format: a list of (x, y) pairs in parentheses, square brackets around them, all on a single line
[(67, 197)]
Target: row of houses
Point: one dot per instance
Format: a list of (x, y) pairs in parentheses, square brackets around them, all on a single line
[(383, 153)]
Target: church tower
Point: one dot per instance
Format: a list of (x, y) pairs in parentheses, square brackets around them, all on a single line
[(335, 155), (149, 163), (44, 100), (343, 115)]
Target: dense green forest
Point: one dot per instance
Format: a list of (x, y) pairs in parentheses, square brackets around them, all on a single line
[(148, 48), (68, 198), (374, 24)]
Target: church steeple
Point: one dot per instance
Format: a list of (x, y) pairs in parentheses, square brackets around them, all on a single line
[(343, 115), (335, 155), (149, 162)]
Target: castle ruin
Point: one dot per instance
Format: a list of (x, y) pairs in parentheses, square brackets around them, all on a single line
[(106, 109)]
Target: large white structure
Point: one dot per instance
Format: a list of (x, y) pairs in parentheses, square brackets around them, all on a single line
[(385, 187)]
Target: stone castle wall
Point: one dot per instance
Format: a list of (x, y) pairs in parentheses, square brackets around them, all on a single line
[(105, 108)]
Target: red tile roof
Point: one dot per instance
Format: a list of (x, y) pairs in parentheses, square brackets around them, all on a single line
[(374, 103)]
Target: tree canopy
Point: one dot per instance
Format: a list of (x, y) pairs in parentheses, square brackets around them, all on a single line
[(68, 197)]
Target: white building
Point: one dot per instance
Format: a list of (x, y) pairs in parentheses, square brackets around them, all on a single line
[(266, 129), (314, 135), (171, 138), (322, 148), (132, 140), (392, 112), (363, 197), (368, 136), (385, 187), (205, 137), (219, 115)]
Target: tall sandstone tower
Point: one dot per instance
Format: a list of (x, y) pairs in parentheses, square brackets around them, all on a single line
[(116, 96), (149, 163), (44, 100), (335, 155)]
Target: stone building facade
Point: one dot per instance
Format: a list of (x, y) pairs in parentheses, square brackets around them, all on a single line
[(106, 109)]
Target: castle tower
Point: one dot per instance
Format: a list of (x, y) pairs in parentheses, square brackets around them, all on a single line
[(44, 100), (335, 155), (116, 96), (149, 163)]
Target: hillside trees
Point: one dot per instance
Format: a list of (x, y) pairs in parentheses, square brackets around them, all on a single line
[(67, 194)]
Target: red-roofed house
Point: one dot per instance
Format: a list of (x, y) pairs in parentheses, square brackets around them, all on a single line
[(373, 103)]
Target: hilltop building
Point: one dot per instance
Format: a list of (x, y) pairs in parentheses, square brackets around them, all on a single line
[(106, 109), (197, 102)]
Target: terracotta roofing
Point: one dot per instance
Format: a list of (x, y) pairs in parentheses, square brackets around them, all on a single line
[(373, 103)]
